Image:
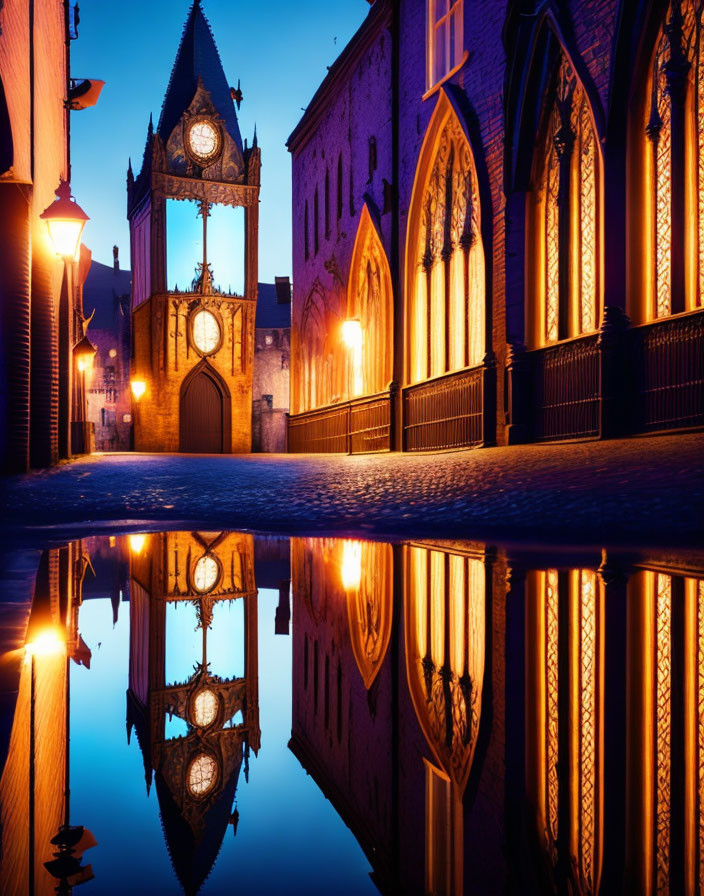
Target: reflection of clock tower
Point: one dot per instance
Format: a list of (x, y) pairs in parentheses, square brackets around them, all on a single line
[(193, 684), (193, 342)]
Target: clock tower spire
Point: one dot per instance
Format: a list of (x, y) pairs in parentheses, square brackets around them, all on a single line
[(194, 220)]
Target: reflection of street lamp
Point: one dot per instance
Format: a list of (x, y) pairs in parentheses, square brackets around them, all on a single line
[(351, 565), (83, 353), (137, 542), (65, 221), (352, 336)]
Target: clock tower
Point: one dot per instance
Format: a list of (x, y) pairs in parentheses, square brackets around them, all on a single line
[(194, 219)]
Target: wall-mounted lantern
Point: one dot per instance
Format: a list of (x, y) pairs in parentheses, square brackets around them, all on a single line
[(65, 221)]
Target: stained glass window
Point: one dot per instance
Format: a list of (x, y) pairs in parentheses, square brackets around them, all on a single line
[(567, 217), (206, 331), (447, 265), (205, 708)]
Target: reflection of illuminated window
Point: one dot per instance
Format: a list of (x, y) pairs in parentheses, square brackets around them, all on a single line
[(205, 708), (202, 773), (206, 573)]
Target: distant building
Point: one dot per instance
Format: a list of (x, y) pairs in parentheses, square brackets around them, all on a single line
[(194, 225), (272, 354), (106, 296)]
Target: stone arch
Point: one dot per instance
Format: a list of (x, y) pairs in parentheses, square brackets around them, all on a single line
[(205, 412), (316, 387), (447, 281), (370, 300)]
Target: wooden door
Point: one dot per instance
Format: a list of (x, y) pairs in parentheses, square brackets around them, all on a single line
[(202, 417)]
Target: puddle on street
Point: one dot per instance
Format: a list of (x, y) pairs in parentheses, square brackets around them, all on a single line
[(219, 712)]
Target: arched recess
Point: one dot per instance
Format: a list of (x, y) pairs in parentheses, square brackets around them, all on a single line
[(666, 166), (564, 215), (316, 384), (446, 272), (205, 412), (370, 300)]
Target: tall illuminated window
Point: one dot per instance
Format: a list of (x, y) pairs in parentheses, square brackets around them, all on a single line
[(674, 176), (444, 38), (446, 266), (565, 230)]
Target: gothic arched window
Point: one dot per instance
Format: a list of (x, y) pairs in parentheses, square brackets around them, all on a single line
[(564, 231), (315, 387), (370, 301), (445, 273), (674, 171)]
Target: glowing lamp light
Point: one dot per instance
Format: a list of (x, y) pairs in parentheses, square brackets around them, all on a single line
[(351, 565), (84, 352), (137, 542), (139, 387), (46, 643), (352, 333), (65, 220)]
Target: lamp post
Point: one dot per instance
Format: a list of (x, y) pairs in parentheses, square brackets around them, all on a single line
[(83, 354), (65, 221), (138, 387)]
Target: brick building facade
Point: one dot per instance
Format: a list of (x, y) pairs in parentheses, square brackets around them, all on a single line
[(40, 295), (523, 185)]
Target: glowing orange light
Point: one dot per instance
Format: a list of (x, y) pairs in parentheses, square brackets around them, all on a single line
[(46, 643), (137, 542), (65, 221), (351, 565), (352, 333), (139, 387)]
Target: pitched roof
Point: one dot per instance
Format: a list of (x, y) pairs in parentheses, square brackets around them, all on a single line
[(103, 291), (197, 57)]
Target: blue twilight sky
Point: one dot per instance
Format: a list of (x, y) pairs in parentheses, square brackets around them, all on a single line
[(278, 49)]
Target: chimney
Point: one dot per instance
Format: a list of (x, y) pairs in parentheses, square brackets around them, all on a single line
[(115, 259), (283, 290)]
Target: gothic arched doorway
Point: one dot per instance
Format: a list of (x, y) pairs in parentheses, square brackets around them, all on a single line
[(205, 413)]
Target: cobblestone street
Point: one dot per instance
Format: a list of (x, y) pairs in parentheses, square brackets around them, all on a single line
[(603, 492)]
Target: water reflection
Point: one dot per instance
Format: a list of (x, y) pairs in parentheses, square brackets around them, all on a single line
[(482, 719)]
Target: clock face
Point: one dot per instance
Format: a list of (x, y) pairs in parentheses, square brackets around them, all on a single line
[(206, 574), (204, 140), (206, 332)]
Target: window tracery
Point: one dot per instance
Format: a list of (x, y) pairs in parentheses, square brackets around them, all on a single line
[(315, 385), (447, 293), (567, 231)]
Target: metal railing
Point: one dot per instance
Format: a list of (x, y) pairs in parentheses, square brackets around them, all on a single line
[(446, 412), (566, 391), (360, 426), (667, 371)]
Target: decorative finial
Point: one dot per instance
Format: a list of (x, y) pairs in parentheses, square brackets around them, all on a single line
[(254, 139), (236, 94)]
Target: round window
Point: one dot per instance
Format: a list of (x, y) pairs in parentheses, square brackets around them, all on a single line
[(204, 140), (206, 573), (206, 331), (202, 773), (205, 708)]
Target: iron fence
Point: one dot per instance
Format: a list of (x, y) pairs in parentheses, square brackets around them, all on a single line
[(667, 373), (446, 412), (566, 391), (360, 426)]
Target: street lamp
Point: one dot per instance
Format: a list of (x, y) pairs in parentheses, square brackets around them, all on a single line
[(351, 565), (138, 387), (83, 352), (352, 336), (65, 221)]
